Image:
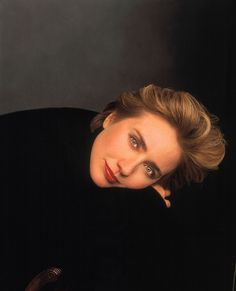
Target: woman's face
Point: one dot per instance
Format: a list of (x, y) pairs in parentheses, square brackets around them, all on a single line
[(134, 152)]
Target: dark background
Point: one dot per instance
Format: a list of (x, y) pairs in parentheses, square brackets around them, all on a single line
[(84, 53)]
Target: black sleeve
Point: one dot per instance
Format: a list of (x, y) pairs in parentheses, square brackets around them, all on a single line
[(149, 241), (136, 253)]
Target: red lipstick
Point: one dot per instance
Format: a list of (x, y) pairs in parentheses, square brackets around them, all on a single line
[(109, 174)]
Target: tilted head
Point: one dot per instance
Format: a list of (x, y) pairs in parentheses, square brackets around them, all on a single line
[(200, 142)]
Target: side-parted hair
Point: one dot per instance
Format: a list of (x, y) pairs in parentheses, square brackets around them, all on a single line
[(201, 140)]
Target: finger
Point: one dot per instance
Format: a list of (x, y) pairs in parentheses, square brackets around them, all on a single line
[(167, 202)]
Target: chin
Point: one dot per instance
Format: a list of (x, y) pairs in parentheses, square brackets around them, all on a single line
[(98, 180)]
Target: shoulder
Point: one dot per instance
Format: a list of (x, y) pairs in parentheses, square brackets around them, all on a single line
[(42, 114), (45, 120)]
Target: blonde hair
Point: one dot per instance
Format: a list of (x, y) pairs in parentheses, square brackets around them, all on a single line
[(201, 140)]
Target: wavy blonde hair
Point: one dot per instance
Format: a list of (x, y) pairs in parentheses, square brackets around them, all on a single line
[(201, 140)]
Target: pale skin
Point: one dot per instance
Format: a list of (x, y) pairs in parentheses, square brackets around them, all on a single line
[(137, 150)]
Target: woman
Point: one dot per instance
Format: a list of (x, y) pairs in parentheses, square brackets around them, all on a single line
[(184, 138), (88, 203)]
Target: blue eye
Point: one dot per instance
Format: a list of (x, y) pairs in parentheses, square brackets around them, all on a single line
[(149, 170), (134, 142)]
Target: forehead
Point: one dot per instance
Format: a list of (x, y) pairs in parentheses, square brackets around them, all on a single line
[(160, 138)]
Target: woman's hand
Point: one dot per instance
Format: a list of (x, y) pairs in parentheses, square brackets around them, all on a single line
[(163, 192)]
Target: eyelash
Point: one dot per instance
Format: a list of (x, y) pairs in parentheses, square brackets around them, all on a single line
[(135, 144)]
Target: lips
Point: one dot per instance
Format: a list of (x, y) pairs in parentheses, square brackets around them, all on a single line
[(109, 174)]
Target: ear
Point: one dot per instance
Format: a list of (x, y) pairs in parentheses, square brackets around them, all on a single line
[(164, 192), (109, 120)]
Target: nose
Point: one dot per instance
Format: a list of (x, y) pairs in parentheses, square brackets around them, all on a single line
[(128, 166)]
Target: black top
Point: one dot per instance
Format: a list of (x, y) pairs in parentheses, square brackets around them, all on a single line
[(53, 215)]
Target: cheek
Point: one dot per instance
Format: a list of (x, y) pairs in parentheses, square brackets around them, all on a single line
[(116, 145)]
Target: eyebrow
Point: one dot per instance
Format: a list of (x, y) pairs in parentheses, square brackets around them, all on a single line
[(144, 147)]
